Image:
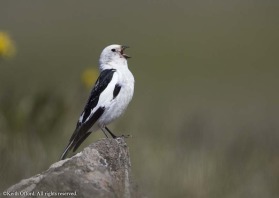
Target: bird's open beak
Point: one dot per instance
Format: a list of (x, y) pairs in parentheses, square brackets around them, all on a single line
[(123, 47)]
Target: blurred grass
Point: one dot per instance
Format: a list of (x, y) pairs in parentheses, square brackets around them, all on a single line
[(27, 122), (204, 118)]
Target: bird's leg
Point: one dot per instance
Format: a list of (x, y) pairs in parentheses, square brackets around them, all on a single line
[(112, 135), (104, 132)]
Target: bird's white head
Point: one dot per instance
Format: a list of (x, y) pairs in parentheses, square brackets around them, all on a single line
[(112, 56)]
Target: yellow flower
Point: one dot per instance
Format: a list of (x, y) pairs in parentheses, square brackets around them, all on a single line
[(7, 48), (88, 77)]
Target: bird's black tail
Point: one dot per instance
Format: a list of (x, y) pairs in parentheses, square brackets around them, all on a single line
[(82, 132), (68, 147), (74, 143)]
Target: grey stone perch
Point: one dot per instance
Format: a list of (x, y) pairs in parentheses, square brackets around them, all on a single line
[(102, 169)]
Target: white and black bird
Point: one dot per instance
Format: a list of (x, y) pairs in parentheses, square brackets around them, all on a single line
[(109, 97)]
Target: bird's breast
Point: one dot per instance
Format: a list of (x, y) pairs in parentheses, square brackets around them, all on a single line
[(119, 104)]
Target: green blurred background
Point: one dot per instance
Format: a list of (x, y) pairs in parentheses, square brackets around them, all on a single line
[(204, 118)]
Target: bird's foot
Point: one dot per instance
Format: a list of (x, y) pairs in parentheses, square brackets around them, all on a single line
[(115, 136), (124, 136)]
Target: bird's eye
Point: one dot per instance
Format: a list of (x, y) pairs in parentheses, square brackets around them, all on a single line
[(113, 50)]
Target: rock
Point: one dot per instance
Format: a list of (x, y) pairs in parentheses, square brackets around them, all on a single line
[(103, 169)]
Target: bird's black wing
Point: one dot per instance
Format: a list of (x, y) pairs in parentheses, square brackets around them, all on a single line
[(100, 85), (116, 90), (88, 119)]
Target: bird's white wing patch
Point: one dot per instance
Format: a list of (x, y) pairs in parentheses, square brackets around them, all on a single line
[(107, 95), (81, 117)]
